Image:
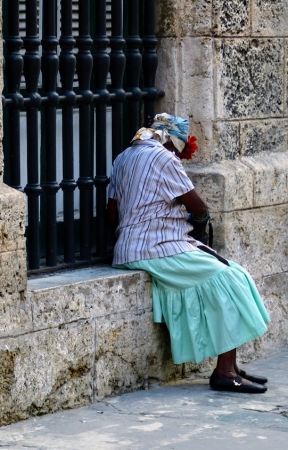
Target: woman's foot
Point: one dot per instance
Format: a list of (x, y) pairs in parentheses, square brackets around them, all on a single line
[(234, 383), (254, 378)]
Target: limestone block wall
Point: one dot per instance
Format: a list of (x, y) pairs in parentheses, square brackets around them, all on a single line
[(82, 336), (223, 64)]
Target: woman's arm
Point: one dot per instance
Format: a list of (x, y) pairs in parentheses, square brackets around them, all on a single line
[(112, 211), (194, 204)]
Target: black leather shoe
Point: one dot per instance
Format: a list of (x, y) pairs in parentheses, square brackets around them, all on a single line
[(254, 378), (219, 383)]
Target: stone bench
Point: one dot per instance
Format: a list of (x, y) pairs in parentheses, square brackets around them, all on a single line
[(81, 336)]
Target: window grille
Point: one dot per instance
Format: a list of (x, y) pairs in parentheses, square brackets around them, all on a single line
[(76, 90)]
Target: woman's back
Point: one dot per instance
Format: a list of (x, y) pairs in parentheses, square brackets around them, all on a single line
[(146, 181)]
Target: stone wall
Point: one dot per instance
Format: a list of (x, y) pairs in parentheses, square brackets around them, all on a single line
[(81, 336), (223, 64)]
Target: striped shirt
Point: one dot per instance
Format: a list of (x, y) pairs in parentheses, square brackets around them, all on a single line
[(146, 180)]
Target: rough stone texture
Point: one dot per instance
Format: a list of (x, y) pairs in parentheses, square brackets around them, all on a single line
[(251, 182), (231, 17), (99, 297), (251, 238), (270, 179), (43, 372), (183, 17), (12, 219), (226, 141), (270, 18), (264, 136), (1, 88), (225, 187), (249, 138), (188, 80), (249, 78)]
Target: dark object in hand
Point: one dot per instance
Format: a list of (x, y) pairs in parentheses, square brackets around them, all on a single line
[(199, 228), (199, 233)]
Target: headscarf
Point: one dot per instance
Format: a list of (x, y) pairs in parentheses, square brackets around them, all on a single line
[(166, 128)]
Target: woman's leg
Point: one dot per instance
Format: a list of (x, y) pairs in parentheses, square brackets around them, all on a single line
[(228, 370)]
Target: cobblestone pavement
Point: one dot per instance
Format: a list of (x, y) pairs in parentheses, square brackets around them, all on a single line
[(182, 415)]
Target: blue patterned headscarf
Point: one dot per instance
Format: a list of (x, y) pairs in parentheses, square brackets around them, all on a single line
[(172, 124), (166, 128)]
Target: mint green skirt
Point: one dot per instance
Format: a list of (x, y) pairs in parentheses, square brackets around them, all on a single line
[(208, 307)]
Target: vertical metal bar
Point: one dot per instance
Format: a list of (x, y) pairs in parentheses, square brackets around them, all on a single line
[(101, 68), (50, 64), (67, 68), (85, 181), (117, 67), (13, 70), (31, 73), (150, 61), (133, 66)]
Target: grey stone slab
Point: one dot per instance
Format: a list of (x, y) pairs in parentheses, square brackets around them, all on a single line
[(270, 18), (251, 239), (101, 292), (46, 371), (72, 277), (249, 78), (270, 179), (225, 186), (183, 17), (264, 136), (226, 141)]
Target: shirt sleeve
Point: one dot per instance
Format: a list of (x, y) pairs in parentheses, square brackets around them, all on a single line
[(111, 187), (175, 180)]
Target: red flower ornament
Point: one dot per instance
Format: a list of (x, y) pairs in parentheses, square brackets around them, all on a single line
[(189, 148)]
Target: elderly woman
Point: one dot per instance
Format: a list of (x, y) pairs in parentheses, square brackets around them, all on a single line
[(210, 308)]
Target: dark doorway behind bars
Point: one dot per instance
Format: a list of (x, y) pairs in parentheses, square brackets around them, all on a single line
[(79, 82)]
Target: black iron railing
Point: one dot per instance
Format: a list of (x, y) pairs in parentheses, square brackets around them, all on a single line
[(98, 75)]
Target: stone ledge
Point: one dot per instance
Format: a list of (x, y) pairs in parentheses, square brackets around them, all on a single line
[(245, 183), (89, 334)]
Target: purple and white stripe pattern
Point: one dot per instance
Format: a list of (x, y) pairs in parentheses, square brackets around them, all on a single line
[(146, 180)]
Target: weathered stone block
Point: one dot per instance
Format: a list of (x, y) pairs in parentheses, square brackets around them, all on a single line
[(129, 350), (183, 17), (270, 18), (12, 219), (274, 288), (249, 76), (189, 90), (94, 298), (15, 311), (226, 141), (264, 136), (255, 238), (231, 17), (46, 371), (1, 165), (120, 363), (270, 178), (225, 187), (15, 315)]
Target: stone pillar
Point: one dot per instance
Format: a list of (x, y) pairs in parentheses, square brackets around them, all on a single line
[(223, 65), (13, 278)]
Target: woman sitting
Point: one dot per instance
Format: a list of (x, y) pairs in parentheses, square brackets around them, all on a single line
[(210, 308)]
